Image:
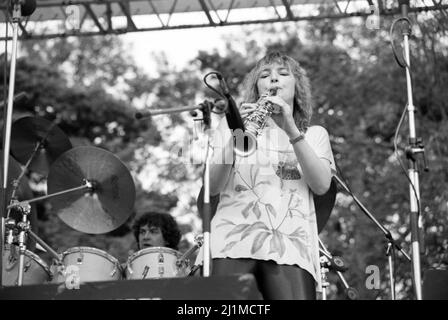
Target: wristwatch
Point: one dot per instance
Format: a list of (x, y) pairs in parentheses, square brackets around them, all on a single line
[(300, 137)]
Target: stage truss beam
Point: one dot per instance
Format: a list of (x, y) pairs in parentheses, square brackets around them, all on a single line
[(57, 18)]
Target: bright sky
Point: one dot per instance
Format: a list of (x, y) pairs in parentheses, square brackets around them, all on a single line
[(180, 46)]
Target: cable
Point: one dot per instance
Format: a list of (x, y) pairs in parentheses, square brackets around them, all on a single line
[(397, 130), (213, 89)]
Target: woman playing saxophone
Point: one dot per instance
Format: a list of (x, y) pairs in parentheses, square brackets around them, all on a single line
[(265, 221)]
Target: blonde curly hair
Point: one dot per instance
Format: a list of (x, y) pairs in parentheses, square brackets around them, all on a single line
[(303, 107)]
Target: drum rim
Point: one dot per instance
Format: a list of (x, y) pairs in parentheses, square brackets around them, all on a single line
[(156, 250), (36, 258), (93, 250)]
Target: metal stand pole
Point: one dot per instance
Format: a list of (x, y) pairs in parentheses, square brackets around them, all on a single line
[(206, 222), (86, 186), (23, 226), (335, 263), (414, 192), (16, 15), (390, 253)]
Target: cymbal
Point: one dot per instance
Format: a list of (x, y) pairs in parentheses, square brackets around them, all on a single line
[(101, 210), (26, 132)]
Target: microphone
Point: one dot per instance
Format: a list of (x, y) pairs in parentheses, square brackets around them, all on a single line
[(233, 115), (404, 6), (27, 7)]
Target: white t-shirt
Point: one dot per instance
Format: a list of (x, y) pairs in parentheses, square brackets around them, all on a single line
[(266, 210)]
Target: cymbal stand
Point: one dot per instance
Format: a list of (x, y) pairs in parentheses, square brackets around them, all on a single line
[(329, 262), (23, 227), (183, 261), (87, 186), (16, 182)]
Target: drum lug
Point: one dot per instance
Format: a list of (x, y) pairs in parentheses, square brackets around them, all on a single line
[(161, 261), (161, 271), (80, 258), (27, 266), (130, 269), (145, 272)]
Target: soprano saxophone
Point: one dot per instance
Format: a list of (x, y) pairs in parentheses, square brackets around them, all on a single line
[(254, 124)]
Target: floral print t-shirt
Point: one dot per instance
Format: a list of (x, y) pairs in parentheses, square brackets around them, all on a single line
[(266, 210)]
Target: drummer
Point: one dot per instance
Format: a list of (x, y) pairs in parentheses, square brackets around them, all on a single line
[(156, 229)]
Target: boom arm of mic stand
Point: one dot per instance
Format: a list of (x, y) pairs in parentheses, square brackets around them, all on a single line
[(386, 232)]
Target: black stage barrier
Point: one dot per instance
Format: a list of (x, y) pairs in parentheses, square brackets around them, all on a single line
[(237, 287), (435, 285)]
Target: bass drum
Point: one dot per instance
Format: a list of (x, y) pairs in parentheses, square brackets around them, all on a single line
[(35, 270), (157, 262)]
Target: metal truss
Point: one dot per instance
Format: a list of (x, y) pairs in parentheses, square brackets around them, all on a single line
[(60, 18)]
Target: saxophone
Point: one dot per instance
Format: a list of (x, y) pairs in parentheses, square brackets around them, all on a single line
[(254, 124)]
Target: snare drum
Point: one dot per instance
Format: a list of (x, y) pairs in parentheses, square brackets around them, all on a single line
[(157, 262), (35, 270), (89, 264)]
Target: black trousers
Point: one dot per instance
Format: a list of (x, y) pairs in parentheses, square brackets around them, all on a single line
[(275, 282)]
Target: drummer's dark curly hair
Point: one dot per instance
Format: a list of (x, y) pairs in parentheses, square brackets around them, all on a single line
[(166, 223)]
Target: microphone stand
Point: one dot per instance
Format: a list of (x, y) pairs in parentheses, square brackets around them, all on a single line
[(328, 261), (392, 244), (16, 16), (415, 146), (206, 107)]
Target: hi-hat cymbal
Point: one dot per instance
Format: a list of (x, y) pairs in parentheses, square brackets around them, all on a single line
[(26, 132), (107, 206)]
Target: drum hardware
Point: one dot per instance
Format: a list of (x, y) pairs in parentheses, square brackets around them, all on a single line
[(17, 233), (184, 261), (161, 268), (88, 182)]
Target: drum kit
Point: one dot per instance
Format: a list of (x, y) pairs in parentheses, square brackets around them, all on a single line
[(92, 191)]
